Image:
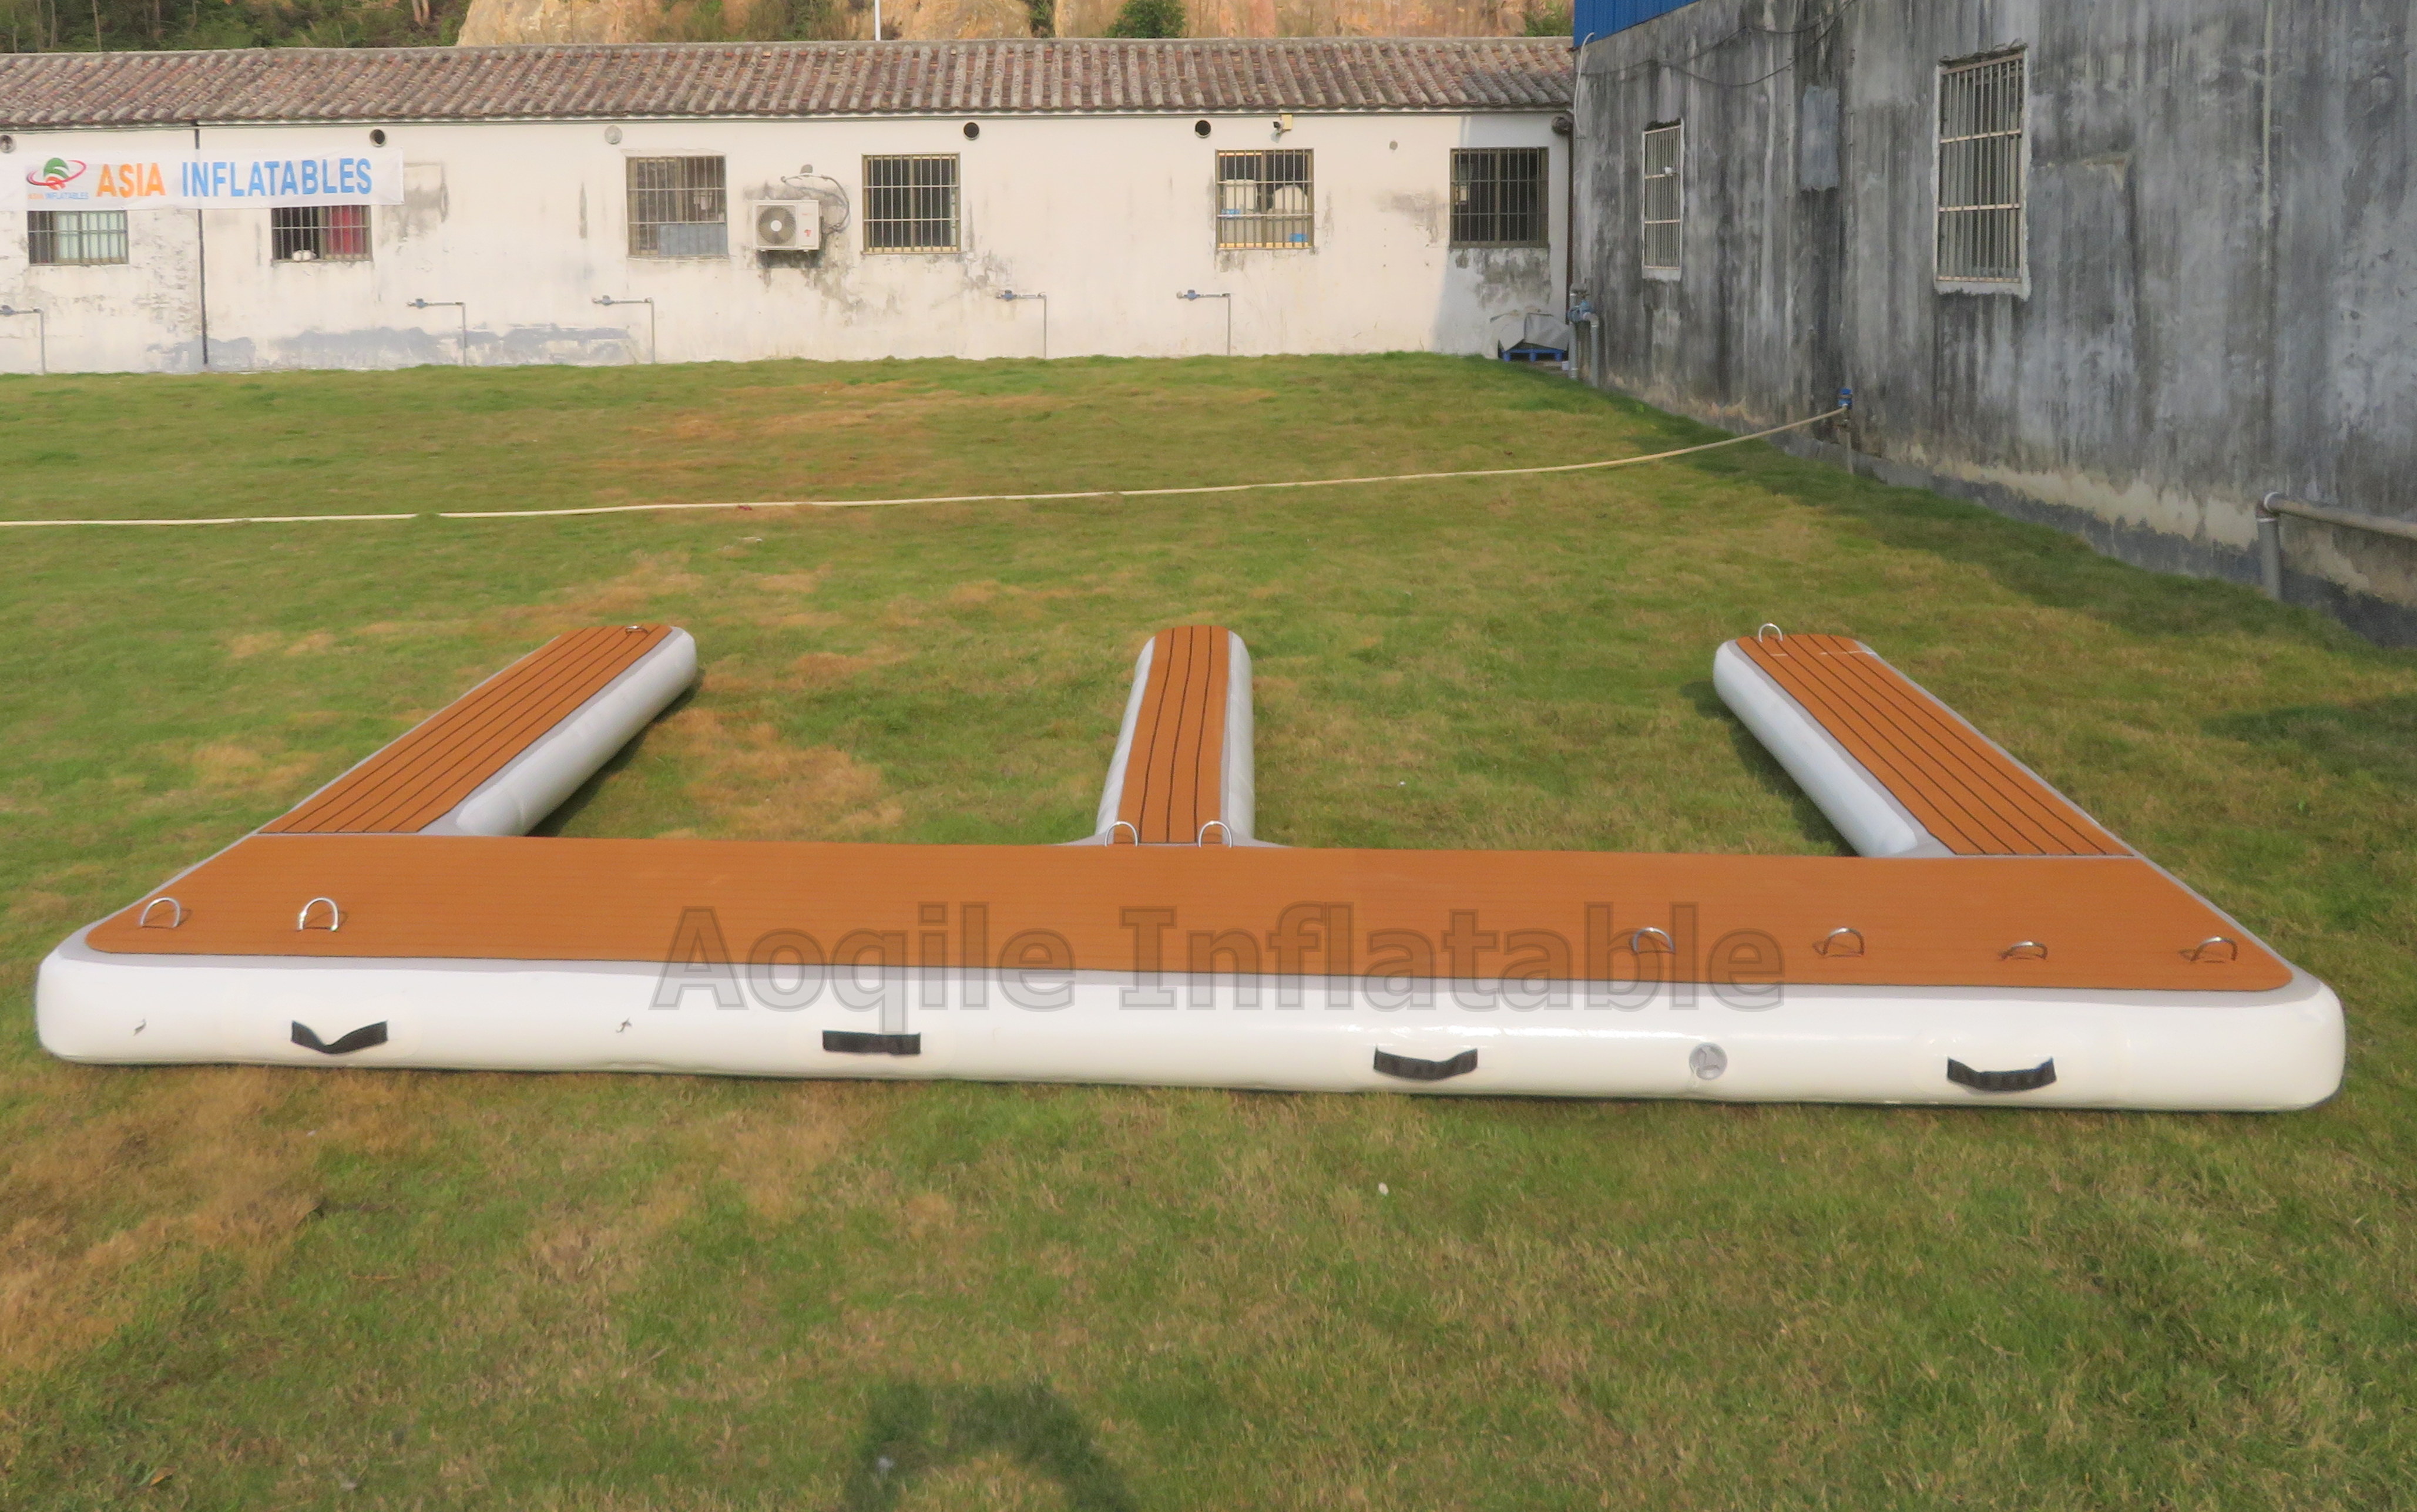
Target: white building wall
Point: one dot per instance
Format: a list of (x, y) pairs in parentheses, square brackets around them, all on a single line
[(527, 224)]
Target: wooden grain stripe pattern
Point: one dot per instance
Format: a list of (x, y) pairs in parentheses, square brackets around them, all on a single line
[(2106, 923), (438, 763), (1175, 771), (1974, 797)]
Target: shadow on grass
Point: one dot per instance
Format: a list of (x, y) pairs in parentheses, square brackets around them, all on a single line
[(1810, 820), (2377, 739), (581, 796), (2040, 563), (913, 1430)]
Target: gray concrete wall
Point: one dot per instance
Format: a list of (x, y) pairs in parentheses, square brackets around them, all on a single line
[(2221, 297)]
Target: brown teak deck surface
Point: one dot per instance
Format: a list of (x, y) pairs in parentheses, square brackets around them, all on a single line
[(2108, 919), (2105, 923), (415, 781), (1963, 788), (1174, 775)]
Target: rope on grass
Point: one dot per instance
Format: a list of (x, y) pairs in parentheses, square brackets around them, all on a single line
[(1146, 493), (232, 519), (982, 498)]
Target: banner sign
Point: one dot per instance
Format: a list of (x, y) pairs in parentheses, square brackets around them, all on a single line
[(199, 180)]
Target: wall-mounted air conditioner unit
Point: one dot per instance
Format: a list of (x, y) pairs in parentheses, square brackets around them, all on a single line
[(788, 226)]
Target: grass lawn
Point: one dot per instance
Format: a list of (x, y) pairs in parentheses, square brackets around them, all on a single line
[(244, 1288)]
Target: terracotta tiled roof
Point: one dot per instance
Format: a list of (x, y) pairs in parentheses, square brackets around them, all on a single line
[(783, 79)]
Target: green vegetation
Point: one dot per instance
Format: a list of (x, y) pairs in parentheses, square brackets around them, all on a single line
[(1546, 21), (229, 1286), (1148, 18), (136, 25)]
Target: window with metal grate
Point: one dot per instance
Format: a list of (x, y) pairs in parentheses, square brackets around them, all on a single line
[(910, 203), (1266, 198), (1980, 169), (320, 234), (1663, 205), (1498, 197), (63, 237), (678, 208)]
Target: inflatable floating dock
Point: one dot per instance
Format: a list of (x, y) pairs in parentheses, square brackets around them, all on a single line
[(1990, 943)]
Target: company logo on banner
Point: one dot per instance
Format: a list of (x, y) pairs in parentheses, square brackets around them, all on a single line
[(57, 174), (202, 181)]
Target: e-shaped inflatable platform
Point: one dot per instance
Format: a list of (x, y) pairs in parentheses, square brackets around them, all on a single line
[(1990, 943)]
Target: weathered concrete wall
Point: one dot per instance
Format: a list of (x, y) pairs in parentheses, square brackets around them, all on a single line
[(527, 222), (2221, 297), (143, 314)]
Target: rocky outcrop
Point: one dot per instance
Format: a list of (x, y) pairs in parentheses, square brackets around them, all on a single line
[(1318, 17), (492, 21)]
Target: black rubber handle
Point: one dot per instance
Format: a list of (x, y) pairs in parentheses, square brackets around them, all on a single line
[(361, 1038), (2030, 1080), (1410, 1069), (846, 1042)]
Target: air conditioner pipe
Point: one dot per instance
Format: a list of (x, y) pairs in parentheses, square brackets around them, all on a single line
[(835, 195), (1011, 297), (608, 301), (1196, 294), (463, 357)]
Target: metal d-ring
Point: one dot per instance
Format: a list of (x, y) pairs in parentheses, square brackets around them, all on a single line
[(1774, 630), (143, 921), (2200, 951), (1201, 838), (2024, 950), (1637, 942), (1124, 823), (1830, 940), (335, 915)]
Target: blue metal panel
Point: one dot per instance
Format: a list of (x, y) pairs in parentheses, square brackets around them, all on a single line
[(1591, 19)]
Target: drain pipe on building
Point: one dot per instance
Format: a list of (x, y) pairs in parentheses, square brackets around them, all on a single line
[(1581, 320), (1566, 127), (201, 266)]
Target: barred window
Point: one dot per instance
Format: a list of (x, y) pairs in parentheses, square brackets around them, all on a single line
[(85, 236), (1664, 199), (910, 203), (320, 234), (1265, 199), (1498, 197), (1980, 169), (678, 208)]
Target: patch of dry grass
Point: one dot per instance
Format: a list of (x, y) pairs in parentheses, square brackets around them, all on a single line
[(760, 787), (105, 1206)]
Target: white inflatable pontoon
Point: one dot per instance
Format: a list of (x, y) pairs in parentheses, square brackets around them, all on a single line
[(1991, 944)]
